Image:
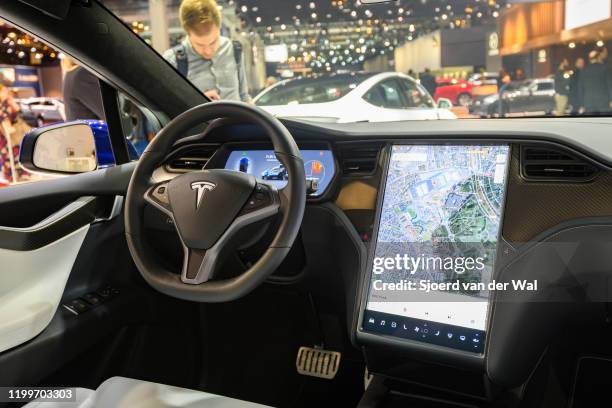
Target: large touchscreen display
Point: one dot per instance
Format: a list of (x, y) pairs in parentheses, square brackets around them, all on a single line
[(263, 164), (436, 244)]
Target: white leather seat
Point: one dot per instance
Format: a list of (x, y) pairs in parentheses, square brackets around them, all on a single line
[(120, 392), (82, 395)]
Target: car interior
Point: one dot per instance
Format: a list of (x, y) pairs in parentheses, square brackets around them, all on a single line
[(188, 278)]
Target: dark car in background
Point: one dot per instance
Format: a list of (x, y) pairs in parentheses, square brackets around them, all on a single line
[(528, 97), (484, 78)]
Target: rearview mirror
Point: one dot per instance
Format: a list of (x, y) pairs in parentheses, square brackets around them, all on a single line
[(444, 103)]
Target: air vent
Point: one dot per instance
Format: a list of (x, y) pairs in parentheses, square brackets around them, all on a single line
[(555, 165), (359, 159), (190, 159)]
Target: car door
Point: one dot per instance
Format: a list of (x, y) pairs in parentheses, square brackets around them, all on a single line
[(543, 96), (67, 281), (389, 102), (417, 100), (516, 98)]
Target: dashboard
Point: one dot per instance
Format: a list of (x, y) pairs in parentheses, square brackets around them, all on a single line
[(432, 205)]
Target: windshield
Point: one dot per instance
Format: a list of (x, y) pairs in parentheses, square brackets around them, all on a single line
[(344, 61)]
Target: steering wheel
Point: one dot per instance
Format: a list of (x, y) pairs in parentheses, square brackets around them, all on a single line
[(209, 207)]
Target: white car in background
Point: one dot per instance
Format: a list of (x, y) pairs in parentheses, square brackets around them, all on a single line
[(39, 111), (353, 97)]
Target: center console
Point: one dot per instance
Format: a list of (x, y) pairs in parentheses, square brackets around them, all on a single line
[(425, 290)]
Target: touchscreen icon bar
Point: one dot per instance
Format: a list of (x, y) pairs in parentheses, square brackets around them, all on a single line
[(424, 331)]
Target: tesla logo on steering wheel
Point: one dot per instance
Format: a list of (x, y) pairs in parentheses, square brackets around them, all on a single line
[(201, 187)]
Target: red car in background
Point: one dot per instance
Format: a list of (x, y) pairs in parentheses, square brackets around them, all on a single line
[(458, 91)]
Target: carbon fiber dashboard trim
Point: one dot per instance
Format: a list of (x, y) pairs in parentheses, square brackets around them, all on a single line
[(532, 207)]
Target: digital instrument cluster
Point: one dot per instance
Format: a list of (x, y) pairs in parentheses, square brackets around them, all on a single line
[(319, 167)]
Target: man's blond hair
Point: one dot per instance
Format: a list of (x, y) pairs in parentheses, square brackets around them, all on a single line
[(196, 15)]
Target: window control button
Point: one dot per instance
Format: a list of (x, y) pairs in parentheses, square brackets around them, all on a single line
[(77, 306), (105, 293), (93, 299)]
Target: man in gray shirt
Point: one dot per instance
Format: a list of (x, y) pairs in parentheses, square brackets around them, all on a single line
[(210, 61)]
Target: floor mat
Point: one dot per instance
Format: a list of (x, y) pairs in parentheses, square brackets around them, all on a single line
[(251, 349)]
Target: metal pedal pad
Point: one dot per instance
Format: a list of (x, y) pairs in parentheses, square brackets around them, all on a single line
[(317, 362)]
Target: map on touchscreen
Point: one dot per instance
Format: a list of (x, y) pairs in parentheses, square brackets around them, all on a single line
[(443, 193), (437, 239)]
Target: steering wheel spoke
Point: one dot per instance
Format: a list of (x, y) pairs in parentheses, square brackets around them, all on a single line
[(157, 195), (199, 265), (264, 195)]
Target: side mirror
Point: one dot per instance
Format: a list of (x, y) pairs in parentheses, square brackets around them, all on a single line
[(69, 148), (444, 103)]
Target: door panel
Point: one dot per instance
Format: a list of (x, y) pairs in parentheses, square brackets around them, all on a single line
[(40, 242), (32, 285), (27, 204), (71, 217)]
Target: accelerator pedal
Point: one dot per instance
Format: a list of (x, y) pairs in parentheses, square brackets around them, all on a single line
[(317, 362)]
